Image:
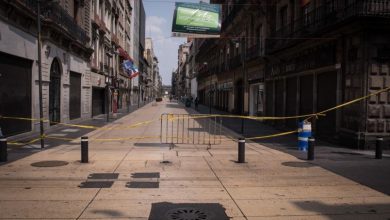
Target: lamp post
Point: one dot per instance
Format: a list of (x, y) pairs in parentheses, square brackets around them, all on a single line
[(242, 42), (206, 64), (243, 84), (108, 82), (40, 75)]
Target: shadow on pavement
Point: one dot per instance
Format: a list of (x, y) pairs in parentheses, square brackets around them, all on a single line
[(342, 211), (65, 136), (358, 166)]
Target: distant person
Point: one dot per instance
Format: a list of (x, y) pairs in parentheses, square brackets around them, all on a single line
[(196, 103)]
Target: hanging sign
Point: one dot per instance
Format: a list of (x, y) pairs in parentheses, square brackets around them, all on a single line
[(196, 20)]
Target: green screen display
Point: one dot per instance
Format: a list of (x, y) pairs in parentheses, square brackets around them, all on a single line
[(193, 19)]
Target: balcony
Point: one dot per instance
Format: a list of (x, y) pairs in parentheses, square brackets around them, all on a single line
[(96, 21), (55, 15), (114, 39), (232, 15), (94, 66), (203, 71), (101, 67), (325, 17)]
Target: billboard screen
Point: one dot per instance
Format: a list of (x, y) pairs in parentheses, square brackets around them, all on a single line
[(196, 20)]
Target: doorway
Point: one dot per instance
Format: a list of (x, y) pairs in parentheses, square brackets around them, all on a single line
[(55, 93)]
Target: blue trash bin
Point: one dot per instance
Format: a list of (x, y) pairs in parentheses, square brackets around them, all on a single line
[(304, 132)]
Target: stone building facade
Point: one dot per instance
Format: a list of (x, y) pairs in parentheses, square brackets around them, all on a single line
[(65, 63), (296, 57)]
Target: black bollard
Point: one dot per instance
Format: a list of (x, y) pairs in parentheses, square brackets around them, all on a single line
[(84, 149), (241, 150), (310, 151), (378, 148), (3, 150)]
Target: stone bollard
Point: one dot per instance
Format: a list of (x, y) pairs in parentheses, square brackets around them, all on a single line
[(241, 150), (84, 149)]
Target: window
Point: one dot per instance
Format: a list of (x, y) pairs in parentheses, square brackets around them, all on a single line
[(306, 14), (283, 16), (76, 5)]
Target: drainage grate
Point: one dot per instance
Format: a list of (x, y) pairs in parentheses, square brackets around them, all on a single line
[(145, 185), (50, 163), (96, 184), (98, 176), (145, 175), (189, 213)]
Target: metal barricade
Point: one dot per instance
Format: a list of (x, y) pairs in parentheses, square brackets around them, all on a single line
[(190, 129)]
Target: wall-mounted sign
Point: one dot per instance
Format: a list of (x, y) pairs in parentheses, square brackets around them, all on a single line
[(196, 20)]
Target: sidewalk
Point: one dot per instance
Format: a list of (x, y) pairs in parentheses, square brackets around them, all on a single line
[(142, 179), (357, 165), (64, 132)]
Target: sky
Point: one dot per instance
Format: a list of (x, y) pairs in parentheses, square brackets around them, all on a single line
[(159, 15)]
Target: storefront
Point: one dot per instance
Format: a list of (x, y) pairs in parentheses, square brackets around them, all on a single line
[(15, 93)]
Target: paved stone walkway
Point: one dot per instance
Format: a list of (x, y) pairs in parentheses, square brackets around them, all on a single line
[(126, 179)]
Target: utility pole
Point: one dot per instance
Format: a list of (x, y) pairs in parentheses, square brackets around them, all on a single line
[(40, 75)]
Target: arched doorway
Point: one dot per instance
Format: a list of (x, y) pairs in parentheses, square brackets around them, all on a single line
[(55, 92)]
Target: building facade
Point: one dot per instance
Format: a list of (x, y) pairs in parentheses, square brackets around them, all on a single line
[(334, 52), (83, 45), (293, 57), (65, 54), (110, 28)]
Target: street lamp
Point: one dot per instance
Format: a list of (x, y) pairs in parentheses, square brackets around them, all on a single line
[(206, 64), (244, 83), (108, 83), (40, 75), (237, 43)]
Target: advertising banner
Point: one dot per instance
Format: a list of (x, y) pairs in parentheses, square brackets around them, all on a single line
[(196, 20)]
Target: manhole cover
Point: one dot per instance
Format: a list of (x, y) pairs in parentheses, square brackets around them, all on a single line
[(189, 214), (50, 163)]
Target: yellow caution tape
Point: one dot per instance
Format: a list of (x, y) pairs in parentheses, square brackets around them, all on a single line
[(172, 117)]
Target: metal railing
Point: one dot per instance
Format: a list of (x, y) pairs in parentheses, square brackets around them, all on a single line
[(54, 13), (190, 129)]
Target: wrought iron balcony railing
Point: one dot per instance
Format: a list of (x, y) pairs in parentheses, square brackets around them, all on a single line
[(55, 14)]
